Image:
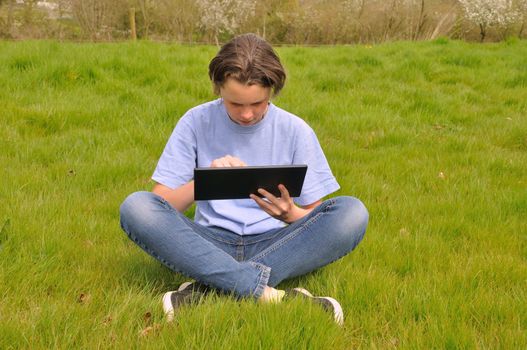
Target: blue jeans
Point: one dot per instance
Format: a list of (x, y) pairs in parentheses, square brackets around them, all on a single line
[(243, 265)]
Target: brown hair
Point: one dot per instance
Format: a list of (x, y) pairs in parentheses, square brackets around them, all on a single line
[(250, 60)]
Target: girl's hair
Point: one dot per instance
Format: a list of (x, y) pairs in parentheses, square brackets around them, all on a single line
[(250, 60)]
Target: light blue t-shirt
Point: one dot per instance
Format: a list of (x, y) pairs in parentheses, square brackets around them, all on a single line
[(206, 133)]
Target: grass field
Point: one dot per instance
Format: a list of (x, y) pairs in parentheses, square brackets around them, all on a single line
[(431, 136)]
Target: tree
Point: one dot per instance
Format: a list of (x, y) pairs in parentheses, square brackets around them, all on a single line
[(177, 19), (9, 24), (91, 16), (224, 16), (487, 13), (521, 6), (146, 7)]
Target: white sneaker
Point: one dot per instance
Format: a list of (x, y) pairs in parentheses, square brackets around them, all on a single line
[(328, 303), (188, 293)]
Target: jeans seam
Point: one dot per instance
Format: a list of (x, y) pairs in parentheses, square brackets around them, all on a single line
[(295, 233), (219, 239), (152, 253), (263, 239), (261, 283), (168, 206), (263, 278)]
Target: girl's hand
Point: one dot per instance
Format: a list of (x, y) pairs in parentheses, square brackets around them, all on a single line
[(227, 161), (282, 208)]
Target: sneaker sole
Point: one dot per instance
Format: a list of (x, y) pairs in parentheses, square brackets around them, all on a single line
[(184, 286), (328, 303)]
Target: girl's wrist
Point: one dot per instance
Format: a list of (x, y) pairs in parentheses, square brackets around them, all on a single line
[(297, 213)]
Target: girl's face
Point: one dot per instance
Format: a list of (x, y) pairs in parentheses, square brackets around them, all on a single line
[(245, 104)]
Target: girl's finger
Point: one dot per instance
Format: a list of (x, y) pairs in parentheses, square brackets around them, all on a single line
[(284, 192), (266, 206), (270, 197)]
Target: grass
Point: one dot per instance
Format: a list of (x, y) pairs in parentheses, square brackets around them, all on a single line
[(432, 136)]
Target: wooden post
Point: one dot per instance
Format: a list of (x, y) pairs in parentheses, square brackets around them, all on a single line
[(10, 4), (133, 32)]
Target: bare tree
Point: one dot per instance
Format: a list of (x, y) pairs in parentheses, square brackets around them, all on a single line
[(29, 8), (91, 15), (421, 21), (63, 10), (521, 6), (356, 9), (146, 8), (10, 7), (445, 23), (177, 19), (291, 21), (392, 19)]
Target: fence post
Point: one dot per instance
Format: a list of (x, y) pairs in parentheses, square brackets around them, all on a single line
[(133, 32)]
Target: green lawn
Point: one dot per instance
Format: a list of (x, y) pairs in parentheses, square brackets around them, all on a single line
[(431, 136)]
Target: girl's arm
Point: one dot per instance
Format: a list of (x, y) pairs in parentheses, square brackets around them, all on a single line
[(180, 198)]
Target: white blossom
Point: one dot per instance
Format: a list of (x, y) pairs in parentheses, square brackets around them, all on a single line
[(225, 15), (489, 12), (521, 6)]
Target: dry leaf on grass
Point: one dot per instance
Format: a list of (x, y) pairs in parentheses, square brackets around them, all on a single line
[(149, 330), (147, 317), (107, 320), (83, 298)]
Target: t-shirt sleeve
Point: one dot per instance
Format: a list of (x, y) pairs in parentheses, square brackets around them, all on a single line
[(319, 181), (178, 160)]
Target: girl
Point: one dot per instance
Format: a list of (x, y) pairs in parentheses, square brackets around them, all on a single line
[(248, 246)]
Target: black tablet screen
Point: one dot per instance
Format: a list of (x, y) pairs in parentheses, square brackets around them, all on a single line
[(240, 182)]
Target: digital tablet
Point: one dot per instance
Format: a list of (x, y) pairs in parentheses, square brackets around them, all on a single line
[(240, 182)]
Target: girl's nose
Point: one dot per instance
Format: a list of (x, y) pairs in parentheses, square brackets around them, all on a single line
[(247, 113)]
